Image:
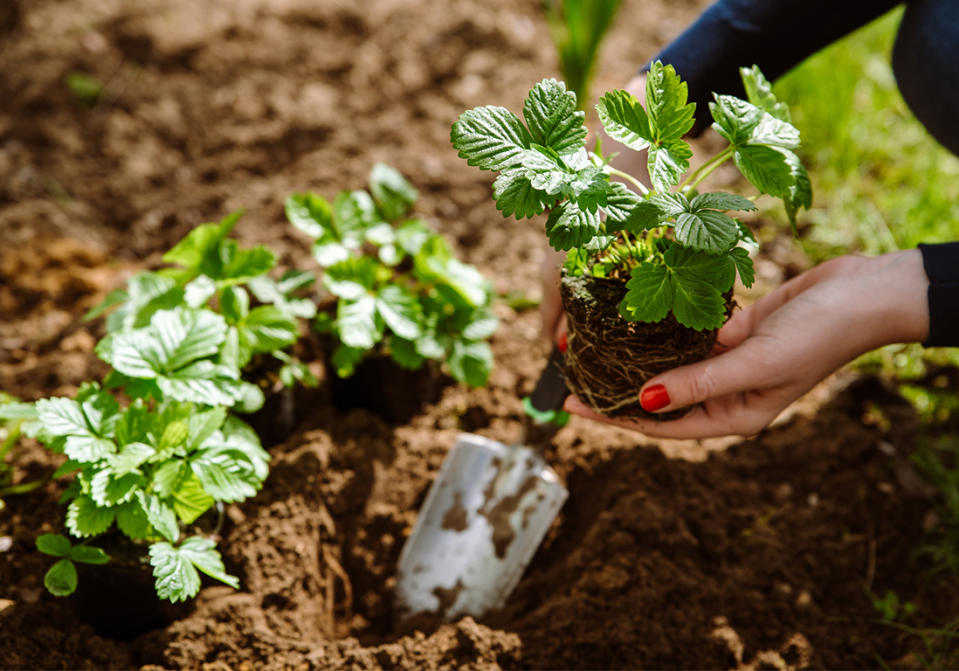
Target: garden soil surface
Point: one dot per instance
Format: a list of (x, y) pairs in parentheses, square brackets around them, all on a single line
[(724, 554)]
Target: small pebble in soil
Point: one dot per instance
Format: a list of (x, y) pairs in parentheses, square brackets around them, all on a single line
[(6, 542)]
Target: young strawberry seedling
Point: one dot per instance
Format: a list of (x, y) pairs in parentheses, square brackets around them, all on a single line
[(397, 288), (150, 469), (187, 332), (649, 273)]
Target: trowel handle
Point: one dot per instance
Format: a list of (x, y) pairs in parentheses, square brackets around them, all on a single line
[(550, 390)]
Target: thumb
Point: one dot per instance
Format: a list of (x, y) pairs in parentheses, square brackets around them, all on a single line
[(728, 373)]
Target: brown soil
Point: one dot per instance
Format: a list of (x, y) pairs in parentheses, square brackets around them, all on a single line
[(697, 555)]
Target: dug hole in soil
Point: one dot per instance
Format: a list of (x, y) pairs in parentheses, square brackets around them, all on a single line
[(715, 555)]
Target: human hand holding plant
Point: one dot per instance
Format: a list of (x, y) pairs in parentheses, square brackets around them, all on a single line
[(777, 349), (650, 269)]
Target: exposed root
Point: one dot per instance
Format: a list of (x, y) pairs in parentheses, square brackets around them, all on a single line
[(609, 358)]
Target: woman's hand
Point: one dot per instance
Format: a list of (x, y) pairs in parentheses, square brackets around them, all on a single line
[(777, 349)]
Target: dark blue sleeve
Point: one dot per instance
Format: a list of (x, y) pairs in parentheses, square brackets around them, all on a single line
[(941, 263), (773, 34)]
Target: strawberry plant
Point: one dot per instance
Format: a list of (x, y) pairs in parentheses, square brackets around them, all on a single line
[(12, 415), (149, 470), (396, 287), (650, 271), (186, 332)]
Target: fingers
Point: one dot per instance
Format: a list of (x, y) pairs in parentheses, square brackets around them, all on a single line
[(734, 415), (745, 368)]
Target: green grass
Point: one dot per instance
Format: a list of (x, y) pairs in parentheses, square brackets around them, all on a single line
[(880, 181)]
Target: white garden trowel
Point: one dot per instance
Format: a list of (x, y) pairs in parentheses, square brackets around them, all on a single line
[(484, 516)]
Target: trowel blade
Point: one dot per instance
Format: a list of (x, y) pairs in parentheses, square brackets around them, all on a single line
[(482, 521)]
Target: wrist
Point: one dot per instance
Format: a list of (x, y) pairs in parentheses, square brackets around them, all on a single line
[(894, 292)]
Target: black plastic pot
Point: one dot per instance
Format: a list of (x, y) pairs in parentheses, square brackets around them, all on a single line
[(381, 386), (119, 599)]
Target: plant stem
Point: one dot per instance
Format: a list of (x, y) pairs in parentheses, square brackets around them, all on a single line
[(706, 169), (629, 178)]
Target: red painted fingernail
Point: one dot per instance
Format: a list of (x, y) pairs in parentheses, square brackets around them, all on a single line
[(654, 398), (561, 342)]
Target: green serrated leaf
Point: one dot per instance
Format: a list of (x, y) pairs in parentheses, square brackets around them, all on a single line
[(697, 304), (471, 362), (132, 521), (169, 477), (234, 304), (176, 578), (196, 294), (106, 489), (353, 213), (400, 310), (546, 170), (457, 282), (412, 235), (734, 118), (721, 201), (744, 266), (482, 325), (87, 554), (670, 117), (202, 425), (568, 226), (799, 194), (221, 481), (201, 243), (643, 215), (404, 353), (330, 253), (56, 545), (393, 194), (432, 346), (200, 384), (352, 278), (86, 518), (130, 458), (760, 93), (88, 449), (160, 515), (190, 499), (202, 553), (311, 214), (767, 168), (552, 117), (61, 579), (515, 195), (649, 294), (267, 328), (358, 324), (174, 339), (667, 163), (625, 120), (115, 297), (62, 417), (232, 265), (707, 230), (743, 123), (620, 201), (490, 138)]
